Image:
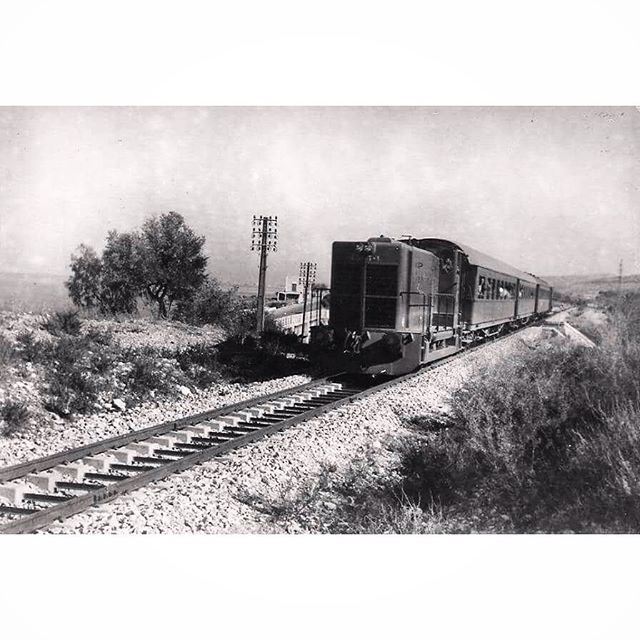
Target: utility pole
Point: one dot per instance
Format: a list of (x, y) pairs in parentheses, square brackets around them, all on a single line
[(620, 278), (320, 294), (264, 238), (308, 276)]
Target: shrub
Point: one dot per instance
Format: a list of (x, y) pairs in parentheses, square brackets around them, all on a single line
[(31, 349), (550, 438), (7, 351), (151, 372), (274, 340), (71, 381), (210, 304), (200, 363), (359, 499), (102, 337), (63, 323), (15, 416)]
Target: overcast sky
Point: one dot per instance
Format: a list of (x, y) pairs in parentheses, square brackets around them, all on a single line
[(549, 190)]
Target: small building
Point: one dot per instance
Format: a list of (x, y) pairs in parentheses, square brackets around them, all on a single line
[(289, 317), (293, 292)]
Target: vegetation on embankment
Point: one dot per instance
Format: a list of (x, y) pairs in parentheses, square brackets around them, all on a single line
[(67, 366), (545, 442)]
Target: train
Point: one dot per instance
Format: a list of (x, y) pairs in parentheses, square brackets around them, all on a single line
[(398, 304)]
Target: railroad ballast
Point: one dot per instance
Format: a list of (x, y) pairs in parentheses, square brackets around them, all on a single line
[(398, 304)]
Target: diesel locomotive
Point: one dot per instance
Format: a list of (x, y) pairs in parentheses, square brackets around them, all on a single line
[(398, 304)]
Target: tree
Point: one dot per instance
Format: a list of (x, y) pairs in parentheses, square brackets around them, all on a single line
[(162, 262), (121, 278), (211, 304), (172, 266), (84, 282)]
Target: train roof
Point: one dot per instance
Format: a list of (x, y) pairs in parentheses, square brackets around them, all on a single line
[(479, 259), (291, 309)]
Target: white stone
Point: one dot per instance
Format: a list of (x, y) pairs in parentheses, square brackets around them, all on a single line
[(13, 492), (144, 448), (98, 464), (185, 391), (74, 472), (119, 404), (163, 441), (251, 412), (125, 456), (180, 436), (44, 481)]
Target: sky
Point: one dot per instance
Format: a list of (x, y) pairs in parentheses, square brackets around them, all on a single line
[(551, 190)]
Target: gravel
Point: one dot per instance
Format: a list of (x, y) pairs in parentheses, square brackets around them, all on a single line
[(130, 333), (223, 495), (57, 434)]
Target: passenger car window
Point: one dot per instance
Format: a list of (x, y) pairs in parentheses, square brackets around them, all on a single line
[(481, 287)]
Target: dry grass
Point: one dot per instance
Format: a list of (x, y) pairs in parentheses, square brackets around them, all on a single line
[(14, 416), (548, 440)]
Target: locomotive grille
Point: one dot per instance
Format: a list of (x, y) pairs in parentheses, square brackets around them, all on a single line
[(382, 280), (380, 312), (381, 295), (346, 295)]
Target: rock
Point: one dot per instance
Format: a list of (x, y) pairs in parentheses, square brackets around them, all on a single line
[(185, 391), (119, 404), (330, 505)]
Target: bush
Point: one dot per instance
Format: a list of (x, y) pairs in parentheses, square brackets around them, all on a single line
[(31, 349), (151, 372), (548, 440), (99, 336), (7, 351), (72, 383), (15, 416), (274, 340), (210, 304), (200, 363), (360, 499), (63, 323)]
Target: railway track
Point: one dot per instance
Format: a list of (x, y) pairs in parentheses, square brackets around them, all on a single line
[(38, 492), (41, 491)]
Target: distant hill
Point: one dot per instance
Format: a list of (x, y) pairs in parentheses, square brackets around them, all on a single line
[(35, 292), (41, 292), (590, 285)]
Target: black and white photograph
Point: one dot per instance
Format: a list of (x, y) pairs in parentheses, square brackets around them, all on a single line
[(320, 320), (329, 314)]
